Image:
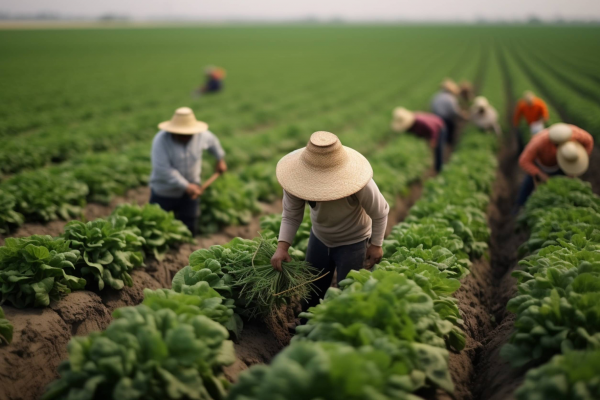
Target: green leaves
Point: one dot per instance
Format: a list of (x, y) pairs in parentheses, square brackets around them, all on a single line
[(6, 329), (147, 353), (37, 269), (9, 218), (109, 250)]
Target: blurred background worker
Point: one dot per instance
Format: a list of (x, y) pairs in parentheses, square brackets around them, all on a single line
[(214, 80), (348, 212), (176, 163), (484, 116), (425, 125), (466, 94), (562, 149), (445, 105), (535, 112)]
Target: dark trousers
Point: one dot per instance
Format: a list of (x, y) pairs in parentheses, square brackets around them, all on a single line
[(185, 209), (520, 140), (342, 259), (439, 150), (450, 130), (527, 188)]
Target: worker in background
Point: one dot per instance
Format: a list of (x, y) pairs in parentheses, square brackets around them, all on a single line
[(214, 80), (445, 105), (484, 116), (535, 112), (562, 149), (176, 162), (466, 94), (348, 212), (425, 125)]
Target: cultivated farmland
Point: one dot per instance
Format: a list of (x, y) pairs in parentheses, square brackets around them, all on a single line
[(469, 302)]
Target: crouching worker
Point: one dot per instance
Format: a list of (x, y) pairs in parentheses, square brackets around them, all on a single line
[(176, 162), (214, 80), (445, 105), (562, 149), (535, 112), (348, 212), (484, 116), (425, 125)]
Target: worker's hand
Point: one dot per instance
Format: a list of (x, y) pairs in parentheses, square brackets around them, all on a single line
[(374, 256), (193, 190), (540, 178), (221, 166), (281, 255)]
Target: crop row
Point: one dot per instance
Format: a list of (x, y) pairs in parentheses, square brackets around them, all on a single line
[(558, 302)]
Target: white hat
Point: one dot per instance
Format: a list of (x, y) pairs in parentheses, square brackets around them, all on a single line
[(572, 158), (480, 101), (184, 123), (402, 119), (560, 133), (324, 170)]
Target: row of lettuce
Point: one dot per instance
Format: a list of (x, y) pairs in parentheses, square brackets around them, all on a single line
[(557, 306), (383, 334)]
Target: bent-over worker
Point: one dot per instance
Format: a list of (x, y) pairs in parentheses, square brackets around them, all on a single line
[(535, 112), (466, 94), (214, 80), (348, 212), (562, 149), (425, 125), (176, 163), (445, 105), (484, 116)]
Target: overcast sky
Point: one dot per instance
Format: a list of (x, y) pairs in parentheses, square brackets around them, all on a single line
[(288, 9)]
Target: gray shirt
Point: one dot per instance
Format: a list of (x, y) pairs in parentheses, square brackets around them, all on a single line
[(445, 105), (175, 165)]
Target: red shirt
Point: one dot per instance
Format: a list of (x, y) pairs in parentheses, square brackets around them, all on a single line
[(532, 113), (427, 126)]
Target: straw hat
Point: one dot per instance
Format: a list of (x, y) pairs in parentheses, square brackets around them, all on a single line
[(184, 123), (450, 86), (403, 119), (481, 101), (560, 133), (572, 158), (324, 170)]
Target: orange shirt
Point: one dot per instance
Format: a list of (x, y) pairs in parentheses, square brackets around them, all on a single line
[(540, 149), (532, 113)]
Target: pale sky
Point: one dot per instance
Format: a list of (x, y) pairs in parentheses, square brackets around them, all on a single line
[(437, 10)]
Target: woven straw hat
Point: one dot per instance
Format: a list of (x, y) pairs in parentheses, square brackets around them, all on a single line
[(450, 86), (572, 158), (560, 133), (184, 123), (324, 170), (402, 119)]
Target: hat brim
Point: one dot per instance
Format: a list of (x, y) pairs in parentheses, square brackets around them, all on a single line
[(196, 128), (577, 167), (312, 184)]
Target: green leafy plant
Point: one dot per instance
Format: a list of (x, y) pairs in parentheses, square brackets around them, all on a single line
[(160, 229), (110, 250), (573, 376), (144, 354), (6, 329), (37, 269), (9, 218), (272, 223)]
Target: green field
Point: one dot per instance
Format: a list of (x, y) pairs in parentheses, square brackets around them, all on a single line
[(79, 110)]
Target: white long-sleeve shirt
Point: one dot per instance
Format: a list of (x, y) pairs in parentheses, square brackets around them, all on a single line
[(340, 222), (175, 165), (488, 121)]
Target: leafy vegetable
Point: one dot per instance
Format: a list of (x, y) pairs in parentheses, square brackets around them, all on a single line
[(109, 250), (145, 354), (160, 229), (6, 329), (9, 218), (37, 269), (272, 223)]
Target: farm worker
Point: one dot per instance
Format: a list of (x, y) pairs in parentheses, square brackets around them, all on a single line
[(445, 105), (466, 94), (535, 112), (562, 149), (484, 116), (176, 162), (425, 125), (214, 79), (348, 212)]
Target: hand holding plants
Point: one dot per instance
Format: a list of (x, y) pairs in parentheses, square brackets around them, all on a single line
[(281, 255)]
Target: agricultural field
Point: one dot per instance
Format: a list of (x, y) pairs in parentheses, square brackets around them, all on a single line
[(105, 296)]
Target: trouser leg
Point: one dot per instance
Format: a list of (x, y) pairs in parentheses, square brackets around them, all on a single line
[(525, 191), (348, 258), (166, 203), (450, 130), (439, 150), (188, 213), (318, 255), (520, 140)]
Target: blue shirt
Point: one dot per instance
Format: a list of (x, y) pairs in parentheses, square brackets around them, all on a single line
[(175, 165)]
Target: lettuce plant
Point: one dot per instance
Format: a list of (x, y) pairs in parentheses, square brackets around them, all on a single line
[(37, 269), (6, 329), (9, 218), (110, 250), (147, 354)]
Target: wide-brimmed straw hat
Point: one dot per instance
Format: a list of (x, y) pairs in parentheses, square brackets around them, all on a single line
[(402, 119), (324, 170), (184, 123), (572, 158), (450, 86), (560, 133)]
